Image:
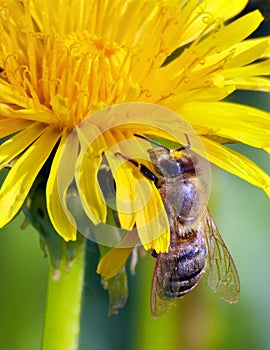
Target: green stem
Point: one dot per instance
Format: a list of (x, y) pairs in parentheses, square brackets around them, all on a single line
[(63, 309)]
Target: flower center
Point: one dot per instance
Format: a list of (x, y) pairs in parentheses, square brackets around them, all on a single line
[(71, 75), (81, 73)]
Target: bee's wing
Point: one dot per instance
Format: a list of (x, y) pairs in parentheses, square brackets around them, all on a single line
[(159, 306), (222, 275)]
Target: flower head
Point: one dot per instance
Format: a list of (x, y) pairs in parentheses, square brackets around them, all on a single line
[(63, 61)]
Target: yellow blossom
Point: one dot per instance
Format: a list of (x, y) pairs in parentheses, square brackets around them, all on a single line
[(63, 61)]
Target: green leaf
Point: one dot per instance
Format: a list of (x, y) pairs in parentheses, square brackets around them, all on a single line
[(59, 251)]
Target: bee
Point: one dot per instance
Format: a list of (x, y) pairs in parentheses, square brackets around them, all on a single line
[(195, 245)]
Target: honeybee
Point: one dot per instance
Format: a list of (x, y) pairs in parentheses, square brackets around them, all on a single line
[(195, 242)]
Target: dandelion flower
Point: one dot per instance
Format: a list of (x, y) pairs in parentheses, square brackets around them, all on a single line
[(63, 61)]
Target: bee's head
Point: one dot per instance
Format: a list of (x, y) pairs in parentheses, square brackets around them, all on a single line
[(171, 163)]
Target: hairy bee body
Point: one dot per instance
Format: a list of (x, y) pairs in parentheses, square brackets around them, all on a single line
[(179, 270), (195, 242)]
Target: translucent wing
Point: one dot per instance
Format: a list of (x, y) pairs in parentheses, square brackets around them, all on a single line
[(222, 275), (159, 305)]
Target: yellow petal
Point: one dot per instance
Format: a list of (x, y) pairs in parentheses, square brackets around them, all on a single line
[(252, 83), (225, 9), (205, 95), (241, 54), (246, 59), (22, 175), (45, 116), (201, 63), (256, 69), (267, 51), (112, 263), (123, 173), (151, 218), (250, 46), (237, 164), (214, 9), (11, 96), (230, 120), (60, 178), (18, 143), (10, 126), (125, 194), (231, 34), (86, 172)]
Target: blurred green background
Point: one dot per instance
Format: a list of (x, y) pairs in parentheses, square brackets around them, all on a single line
[(201, 320)]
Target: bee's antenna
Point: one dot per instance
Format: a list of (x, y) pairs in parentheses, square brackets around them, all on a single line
[(182, 148), (185, 147), (152, 141)]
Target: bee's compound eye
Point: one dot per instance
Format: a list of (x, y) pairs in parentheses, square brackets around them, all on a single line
[(170, 167)]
